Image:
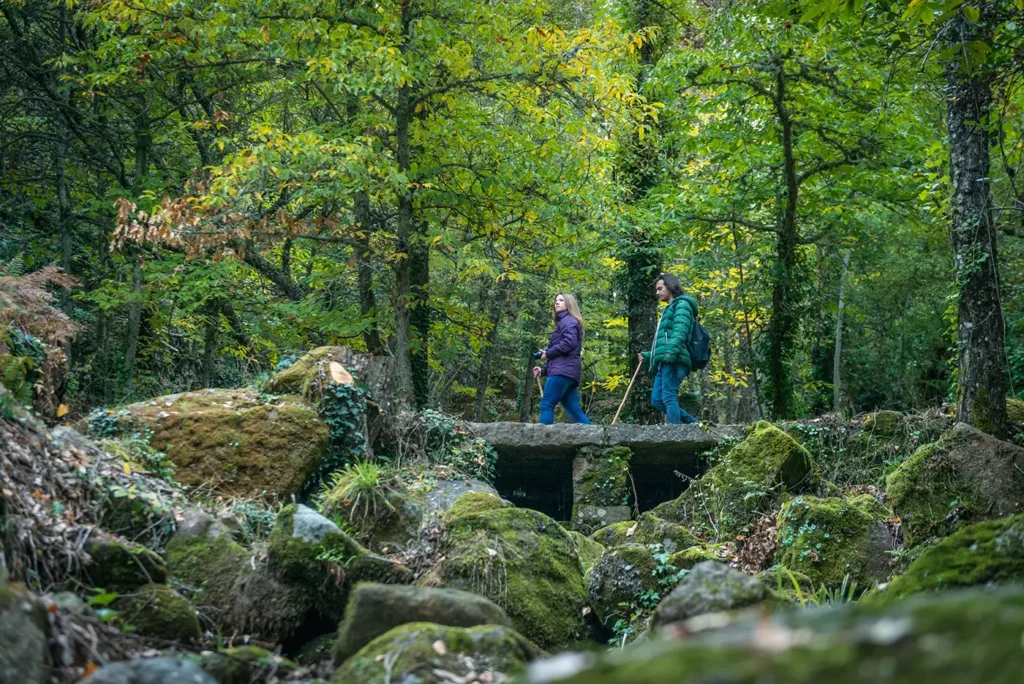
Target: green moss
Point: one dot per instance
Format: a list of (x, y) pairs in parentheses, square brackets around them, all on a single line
[(613, 535), (410, 653), (618, 580), (156, 610), (746, 482), (123, 566), (1015, 410), (244, 664), (303, 376), (687, 558), (523, 561), (962, 637), (474, 502), (984, 553), (830, 539), (319, 650), (604, 480), (963, 478), (588, 551), (781, 579), (235, 442), (647, 529), (884, 423), (211, 565)]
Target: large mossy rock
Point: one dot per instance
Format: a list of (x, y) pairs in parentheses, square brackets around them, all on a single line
[(744, 483), (310, 551), (524, 562), (709, 587), (233, 586), (831, 539), (648, 529), (157, 611), (121, 566), (966, 476), (374, 609), (617, 581), (966, 636), (423, 653), (985, 553), (237, 442), (687, 558), (600, 489), (588, 551), (24, 654)]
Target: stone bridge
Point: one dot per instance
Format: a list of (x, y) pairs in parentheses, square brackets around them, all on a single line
[(542, 466)]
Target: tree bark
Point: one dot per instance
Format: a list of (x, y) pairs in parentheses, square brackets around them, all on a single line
[(837, 386), (143, 142), (526, 385), (783, 321), (487, 353), (210, 346), (982, 384), (364, 274)]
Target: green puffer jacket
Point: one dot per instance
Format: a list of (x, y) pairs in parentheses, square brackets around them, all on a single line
[(672, 339)]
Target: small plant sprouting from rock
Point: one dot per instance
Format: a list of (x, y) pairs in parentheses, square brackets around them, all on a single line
[(357, 494), (448, 443)]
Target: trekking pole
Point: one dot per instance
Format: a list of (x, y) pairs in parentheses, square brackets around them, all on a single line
[(626, 395), (540, 387)]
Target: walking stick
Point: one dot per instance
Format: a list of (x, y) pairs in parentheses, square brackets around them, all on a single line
[(626, 395), (540, 387)]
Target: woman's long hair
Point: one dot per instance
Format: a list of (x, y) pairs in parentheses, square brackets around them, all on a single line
[(571, 307)]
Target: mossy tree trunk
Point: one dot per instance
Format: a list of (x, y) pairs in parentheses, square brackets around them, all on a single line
[(981, 394)]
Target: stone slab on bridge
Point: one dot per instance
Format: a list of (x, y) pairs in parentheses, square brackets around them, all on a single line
[(678, 445)]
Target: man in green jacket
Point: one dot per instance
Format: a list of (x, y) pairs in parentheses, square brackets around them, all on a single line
[(669, 358)]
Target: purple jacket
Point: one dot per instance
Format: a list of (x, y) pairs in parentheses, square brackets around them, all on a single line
[(564, 348)]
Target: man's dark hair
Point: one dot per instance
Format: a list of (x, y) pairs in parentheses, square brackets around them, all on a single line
[(672, 283)]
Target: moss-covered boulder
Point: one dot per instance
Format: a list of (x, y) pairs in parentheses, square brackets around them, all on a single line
[(157, 611), (308, 374), (883, 423), (374, 609), (422, 652), (232, 586), (310, 551), (647, 529), (600, 489), (318, 650), (749, 480), (474, 502), (687, 558), (832, 539), (245, 664), (388, 521), (588, 551), (709, 587), (965, 636), (524, 562), (236, 442), (985, 553), (24, 656), (967, 476), (618, 580), (122, 566)]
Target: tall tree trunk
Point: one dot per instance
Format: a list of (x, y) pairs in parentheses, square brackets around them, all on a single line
[(143, 141), (210, 336), (419, 267), (483, 377), (526, 384), (364, 273), (837, 380), (782, 326), (981, 394)]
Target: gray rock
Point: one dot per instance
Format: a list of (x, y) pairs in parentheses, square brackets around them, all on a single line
[(310, 526), (69, 602), (440, 498), (615, 581), (587, 519), (166, 670), (710, 587), (199, 523), (374, 609), (23, 656)]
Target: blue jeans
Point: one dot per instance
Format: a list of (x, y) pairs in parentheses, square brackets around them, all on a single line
[(665, 393), (559, 388)]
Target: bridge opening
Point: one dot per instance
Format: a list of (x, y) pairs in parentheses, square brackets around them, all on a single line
[(543, 484), (657, 482)]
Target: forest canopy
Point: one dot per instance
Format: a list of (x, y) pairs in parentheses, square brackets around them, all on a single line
[(227, 183)]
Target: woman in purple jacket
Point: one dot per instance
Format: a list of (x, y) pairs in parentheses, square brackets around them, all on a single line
[(562, 363)]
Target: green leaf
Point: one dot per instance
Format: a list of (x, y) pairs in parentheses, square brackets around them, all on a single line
[(972, 13)]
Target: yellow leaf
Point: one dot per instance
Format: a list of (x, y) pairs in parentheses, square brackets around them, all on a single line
[(127, 469), (62, 410)]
